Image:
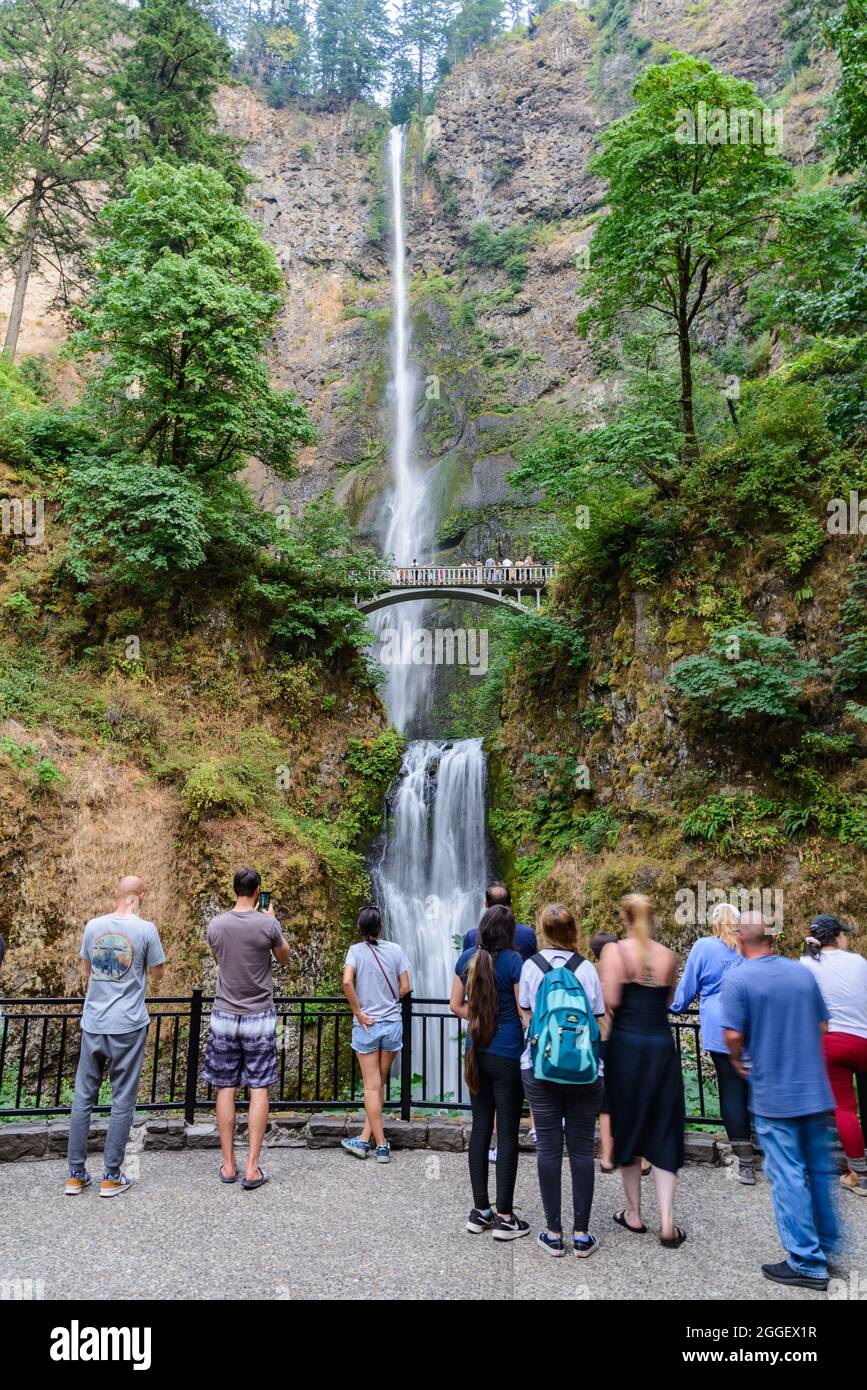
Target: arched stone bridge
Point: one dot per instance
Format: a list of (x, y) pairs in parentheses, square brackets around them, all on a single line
[(496, 584)]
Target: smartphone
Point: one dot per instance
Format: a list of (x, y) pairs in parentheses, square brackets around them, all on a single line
[(264, 901)]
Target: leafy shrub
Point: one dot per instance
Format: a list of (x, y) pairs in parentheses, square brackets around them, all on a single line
[(736, 825), (745, 673), (210, 788), (500, 250)]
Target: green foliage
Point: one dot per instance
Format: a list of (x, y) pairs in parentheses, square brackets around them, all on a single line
[(186, 295), (846, 33), (745, 674), (850, 663), (167, 78), (211, 788), (686, 219), (307, 582), (546, 648), (500, 250), (39, 773), (736, 825), (819, 280), (374, 763)]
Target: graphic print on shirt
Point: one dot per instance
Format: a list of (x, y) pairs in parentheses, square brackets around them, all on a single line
[(112, 956)]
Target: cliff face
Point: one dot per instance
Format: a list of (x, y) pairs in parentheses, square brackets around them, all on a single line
[(508, 144)]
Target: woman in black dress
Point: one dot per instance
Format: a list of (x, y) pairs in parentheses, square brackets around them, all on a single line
[(643, 1079)]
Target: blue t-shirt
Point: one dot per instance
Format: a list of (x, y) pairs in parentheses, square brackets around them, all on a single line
[(524, 941), (707, 965), (778, 1007), (508, 1041)]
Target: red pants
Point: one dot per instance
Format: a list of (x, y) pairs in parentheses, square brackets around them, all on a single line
[(846, 1054)]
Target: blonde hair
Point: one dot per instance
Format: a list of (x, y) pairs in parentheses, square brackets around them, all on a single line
[(637, 908), (723, 921), (557, 926)]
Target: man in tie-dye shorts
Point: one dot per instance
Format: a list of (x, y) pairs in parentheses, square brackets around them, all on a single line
[(241, 1049)]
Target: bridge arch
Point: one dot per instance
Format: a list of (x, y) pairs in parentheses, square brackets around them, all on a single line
[(409, 594)]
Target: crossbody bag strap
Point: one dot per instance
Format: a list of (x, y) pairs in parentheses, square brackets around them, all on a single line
[(384, 975)]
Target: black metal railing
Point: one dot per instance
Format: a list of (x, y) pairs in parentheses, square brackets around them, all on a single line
[(316, 1066)]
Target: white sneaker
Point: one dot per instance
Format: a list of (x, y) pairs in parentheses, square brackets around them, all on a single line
[(492, 1154)]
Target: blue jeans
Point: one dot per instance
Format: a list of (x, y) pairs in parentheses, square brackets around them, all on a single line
[(801, 1171)]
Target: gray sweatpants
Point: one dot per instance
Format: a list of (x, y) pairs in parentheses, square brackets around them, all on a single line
[(123, 1055)]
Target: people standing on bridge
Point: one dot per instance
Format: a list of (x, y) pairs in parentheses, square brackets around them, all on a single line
[(643, 1078), (375, 979), (485, 994), (242, 1038), (117, 951), (772, 1010), (841, 975), (571, 1102), (708, 963)]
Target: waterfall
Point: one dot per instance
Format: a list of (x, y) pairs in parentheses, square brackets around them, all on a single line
[(431, 865), (431, 876)]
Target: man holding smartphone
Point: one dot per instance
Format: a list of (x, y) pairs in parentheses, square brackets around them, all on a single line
[(242, 1048)]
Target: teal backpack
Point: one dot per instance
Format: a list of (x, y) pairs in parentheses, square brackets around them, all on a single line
[(564, 1035)]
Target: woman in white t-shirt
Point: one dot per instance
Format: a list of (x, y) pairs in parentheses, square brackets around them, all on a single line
[(375, 979), (557, 1106), (841, 975)]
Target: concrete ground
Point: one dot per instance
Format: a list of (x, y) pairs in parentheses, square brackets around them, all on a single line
[(329, 1226)]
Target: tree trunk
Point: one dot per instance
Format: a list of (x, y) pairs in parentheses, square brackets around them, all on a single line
[(22, 275), (690, 450)]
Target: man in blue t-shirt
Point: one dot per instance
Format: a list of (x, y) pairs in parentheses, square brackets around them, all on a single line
[(498, 895), (768, 1012)]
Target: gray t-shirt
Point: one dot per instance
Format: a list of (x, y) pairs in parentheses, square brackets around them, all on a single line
[(121, 950), (372, 965), (242, 942)]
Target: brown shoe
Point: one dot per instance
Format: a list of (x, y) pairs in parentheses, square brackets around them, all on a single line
[(113, 1187), (76, 1185), (854, 1184)]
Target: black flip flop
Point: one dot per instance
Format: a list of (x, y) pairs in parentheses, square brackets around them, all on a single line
[(257, 1182), (673, 1242), (223, 1178), (603, 1169), (646, 1172), (620, 1218)]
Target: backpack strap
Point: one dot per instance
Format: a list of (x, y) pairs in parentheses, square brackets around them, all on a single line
[(539, 960), (575, 960), (572, 963)]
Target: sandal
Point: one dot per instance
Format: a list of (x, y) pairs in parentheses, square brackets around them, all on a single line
[(603, 1168), (646, 1171), (673, 1242), (620, 1218), (250, 1186), (223, 1177)]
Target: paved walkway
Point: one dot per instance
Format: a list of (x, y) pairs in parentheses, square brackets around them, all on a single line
[(328, 1226)]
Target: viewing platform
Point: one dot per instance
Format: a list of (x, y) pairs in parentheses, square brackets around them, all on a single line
[(498, 583)]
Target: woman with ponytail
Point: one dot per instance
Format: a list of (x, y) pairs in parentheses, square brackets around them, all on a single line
[(841, 975), (485, 994), (642, 1070), (708, 963)]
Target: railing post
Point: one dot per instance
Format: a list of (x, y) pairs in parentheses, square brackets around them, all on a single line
[(193, 1045), (406, 1058)]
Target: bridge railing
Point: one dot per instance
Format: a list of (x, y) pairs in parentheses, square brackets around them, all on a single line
[(316, 1067), (467, 575)]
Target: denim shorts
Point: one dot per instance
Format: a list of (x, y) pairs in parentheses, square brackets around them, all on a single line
[(241, 1050), (386, 1034)]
